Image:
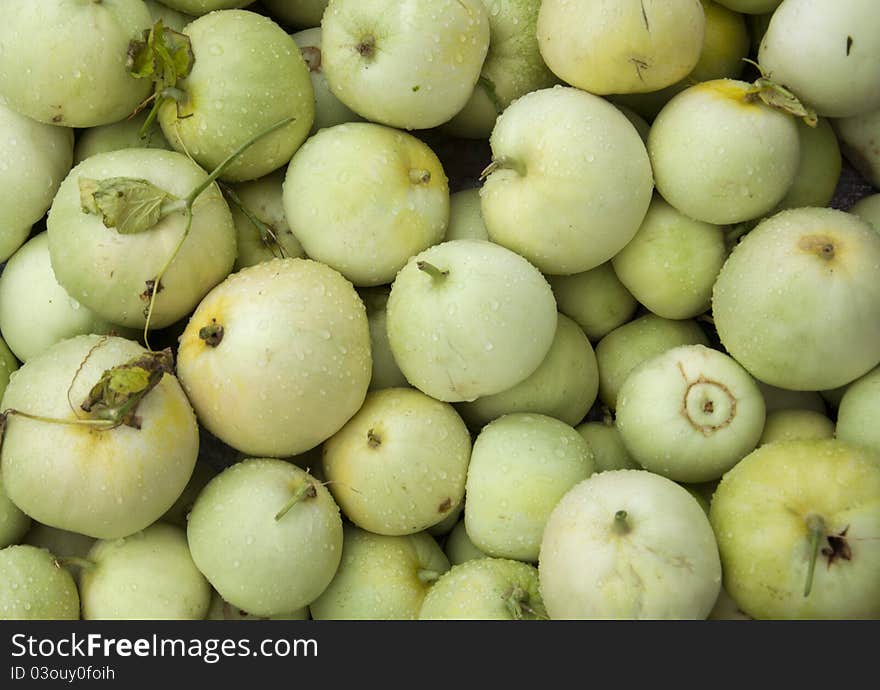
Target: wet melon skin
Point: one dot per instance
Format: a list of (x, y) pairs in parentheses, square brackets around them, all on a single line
[(378, 62), (260, 553), (381, 577), (34, 586), (468, 318), (105, 483), (35, 311), (827, 53), (621, 46), (521, 466), (149, 575), (107, 271), (485, 589), (722, 156), (13, 523), (199, 7), (36, 157), (366, 226), (798, 301), (399, 465), (75, 55), (629, 544), (570, 181), (293, 363)]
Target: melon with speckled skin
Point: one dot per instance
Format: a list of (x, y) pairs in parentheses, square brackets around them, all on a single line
[(629, 544), (105, 483), (125, 134), (107, 271), (521, 465), (798, 301), (175, 19), (690, 413), (766, 512), (291, 364), (858, 410), (570, 181), (722, 156), (261, 553), (459, 547), (783, 399), (792, 425), (178, 513), (149, 575), (513, 67), (609, 452), (221, 610), (33, 586), (485, 589), (595, 299), (399, 465), (248, 75), (672, 262), (366, 214), (468, 318), (35, 311), (381, 577), (378, 63), (60, 542), (466, 216), (329, 110), (262, 199), (65, 62), (200, 7), (725, 44), (819, 169), (386, 373), (635, 342), (827, 53), (564, 386), (36, 157), (621, 46)]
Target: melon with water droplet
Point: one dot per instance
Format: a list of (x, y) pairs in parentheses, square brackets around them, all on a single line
[(798, 301), (277, 357), (267, 536)]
